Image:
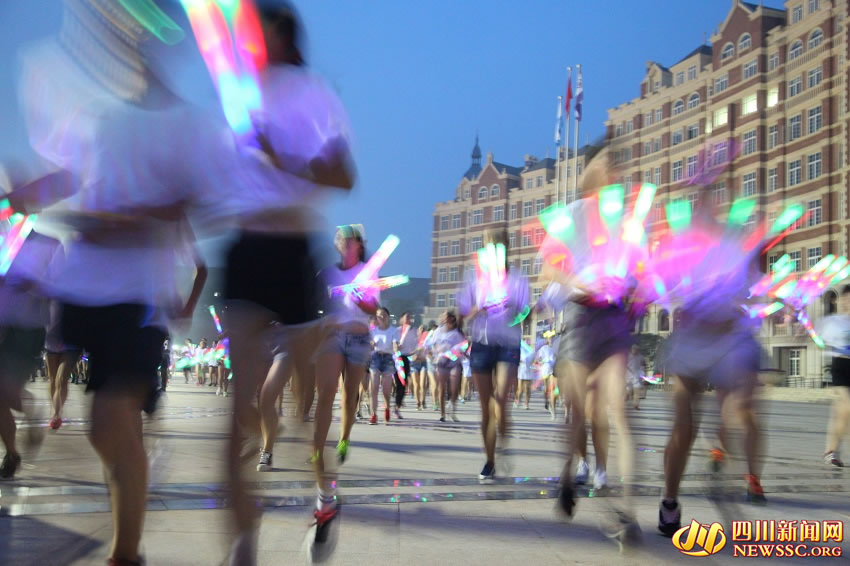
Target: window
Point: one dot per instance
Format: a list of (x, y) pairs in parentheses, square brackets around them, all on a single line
[(813, 162), (692, 72), (647, 176), (647, 119), (692, 166), (718, 194), (512, 240), (795, 127), (815, 120), (750, 69), (773, 61), (772, 136), (693, 131), (453, 300), (618, 131), (728, 51), (773, 97), (721, 117), (498, 213), (745, 42), (813, 256), (536, 293), (796, 14), (721, 84), (526, 238), (526, 267), (656, 144), (680, 77), (796, 50), (454, 274), (772, 178), (444, 223), (797, 260), (529, 183), (719, 153), (477, 216), (693, 101), (456, 221), (629, 127), (676, 171), (455, 247), (538, 265), (677, 137), (678, 107), (539, 234), (477, 243), (815, 77), (814, 5), (749, 104), (749, 142), (482, 193), (539, 205), (513, 212), (627, 182), (794, 355), (795, 172), (441, 277), (663, 321), (441, 301), (527, 208), (444, 249), (658, 175), (659, 115), (466, 193), (815, 39), (795, 86), (647, 148), (748, 185)]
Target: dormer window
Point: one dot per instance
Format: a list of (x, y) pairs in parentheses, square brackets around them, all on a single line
[(745, 42), (728, 52)]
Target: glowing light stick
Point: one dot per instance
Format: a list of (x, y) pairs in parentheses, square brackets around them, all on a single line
[(788, 217), (491, 275), (741, 211), (379, 284), (763, 311), (457, 351), (377, 261), (5, 209), (154, 20), (653, 379), (678, 215), (216, 320), (521, 316), (557, 223), (611, 204), (13, 242), (803, 317), (399, 368)]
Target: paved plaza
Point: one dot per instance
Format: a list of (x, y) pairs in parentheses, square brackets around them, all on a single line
[(409, 490)]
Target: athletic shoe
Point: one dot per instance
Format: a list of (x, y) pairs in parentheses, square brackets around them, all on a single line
[(669, 517), (373, 419), (342, 451), (442, 419), (527, 408), (55, 423), (398, 413), (582, 472), (600, 479), (323, 534), (10, 465), (265, 464), (437, 406), (755, 493), (462, 401), (567, 500), (623, 529), (358, 416), (454, 416), (487, 473), (387, 415), (121, 562), (832, 459), (716, 461)]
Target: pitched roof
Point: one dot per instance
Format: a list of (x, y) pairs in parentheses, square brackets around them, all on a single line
[(702, 50), (509, 169), (473, 171), (547, 163)]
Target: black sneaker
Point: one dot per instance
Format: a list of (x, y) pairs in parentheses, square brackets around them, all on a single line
[(10, 465), (669, 518), (265, 464), (567, 500), (323, 533), (487, 473)]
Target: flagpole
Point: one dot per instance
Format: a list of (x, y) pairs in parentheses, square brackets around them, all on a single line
[(579, 91), (558, 153), (566, 141)]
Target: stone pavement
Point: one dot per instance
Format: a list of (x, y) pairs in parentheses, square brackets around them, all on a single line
[(409, 489)]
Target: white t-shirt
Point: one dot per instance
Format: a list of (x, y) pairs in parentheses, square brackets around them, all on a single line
[(445, 339), (407, 340), (835, 332), (524, 370), (494, 327), (546, 358), (22, 304), (341, 309), (383, 338)]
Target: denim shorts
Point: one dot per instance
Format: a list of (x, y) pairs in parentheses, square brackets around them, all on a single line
[(483, 357), (354, 348), (417, 365), (382, 362)]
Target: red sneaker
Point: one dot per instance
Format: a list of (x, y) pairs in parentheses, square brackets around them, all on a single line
[(55, 423), (387, 414), (373, 419), (755, 493)]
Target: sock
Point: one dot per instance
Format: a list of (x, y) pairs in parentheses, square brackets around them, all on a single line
[(326, 500)]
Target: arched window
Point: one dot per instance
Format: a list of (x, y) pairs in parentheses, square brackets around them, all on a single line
[(482, 193), (663, 321), (728, 51), (494, 191), (678, 107), (745, 42), (796, 50), (693, 101), (815, 39), (830, 302)]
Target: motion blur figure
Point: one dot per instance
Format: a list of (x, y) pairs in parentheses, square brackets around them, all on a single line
[(835, 331)]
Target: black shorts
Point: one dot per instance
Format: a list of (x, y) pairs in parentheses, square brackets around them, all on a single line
[(841, 372), (276, 272), (124, 351), (20, 354)]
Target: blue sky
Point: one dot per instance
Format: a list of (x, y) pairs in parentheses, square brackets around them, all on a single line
[(419, 79)]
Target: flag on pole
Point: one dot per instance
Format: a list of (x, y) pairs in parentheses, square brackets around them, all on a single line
[(579, 93), (558, 121), (569, 90)]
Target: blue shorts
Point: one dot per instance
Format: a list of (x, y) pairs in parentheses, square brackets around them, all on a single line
[(483, 358), (382, 362), (354, 348), (417, 365)]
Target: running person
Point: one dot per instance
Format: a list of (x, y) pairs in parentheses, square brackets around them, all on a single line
[(835, 331), (405, 350), (418, 371), (525, 376), (495, 349), (382, 367), (447, 337)]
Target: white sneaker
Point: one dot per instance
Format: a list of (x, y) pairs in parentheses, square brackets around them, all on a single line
[(582, 472), (600, 479)]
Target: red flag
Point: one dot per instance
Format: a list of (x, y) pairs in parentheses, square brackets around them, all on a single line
[(569, 95)]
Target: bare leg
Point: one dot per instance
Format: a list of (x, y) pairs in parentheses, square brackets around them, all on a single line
[(353, 378), (387, 388), (7, 428), (374, 385), (572, 382), (442, 380), (272, 389), (839, 418), (684, 432), (328, 369)]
